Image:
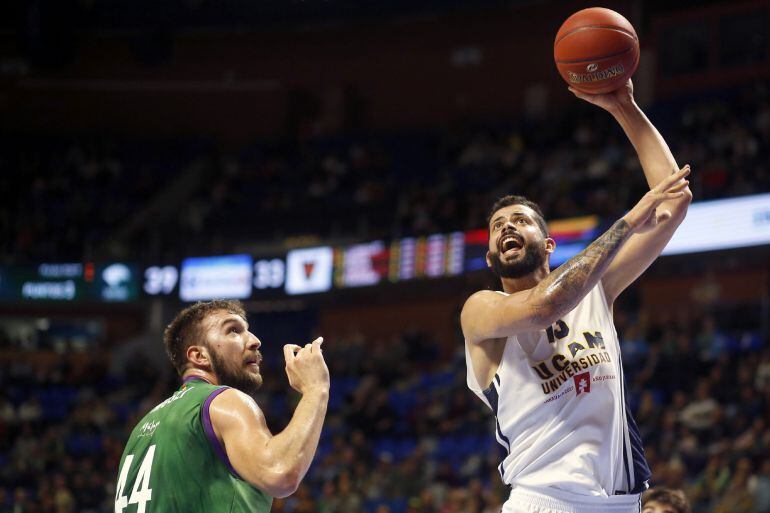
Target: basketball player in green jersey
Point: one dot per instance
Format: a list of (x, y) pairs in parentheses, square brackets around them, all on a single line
[(207, 448)]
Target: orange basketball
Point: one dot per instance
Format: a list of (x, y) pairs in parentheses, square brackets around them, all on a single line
[(596, 50)]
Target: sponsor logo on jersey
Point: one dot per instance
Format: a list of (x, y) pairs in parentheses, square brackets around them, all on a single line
[(571, 367), (582, 383), (149, 427), (559, 368)]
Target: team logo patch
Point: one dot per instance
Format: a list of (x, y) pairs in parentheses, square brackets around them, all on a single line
[(582, 383)]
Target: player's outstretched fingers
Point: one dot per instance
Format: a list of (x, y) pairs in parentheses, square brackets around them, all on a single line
[(671, 179), (316, 345), (679, 186), (672, 195), (674, 177)]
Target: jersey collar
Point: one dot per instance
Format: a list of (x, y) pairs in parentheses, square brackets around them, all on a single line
[(189, 379)]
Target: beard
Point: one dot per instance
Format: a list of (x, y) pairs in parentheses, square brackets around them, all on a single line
[(235, 376), (533, 258)]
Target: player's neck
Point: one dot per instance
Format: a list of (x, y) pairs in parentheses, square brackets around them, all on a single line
[(193, 374), (511, 285)]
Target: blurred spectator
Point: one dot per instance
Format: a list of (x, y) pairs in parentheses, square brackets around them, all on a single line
[(63, 498), (700, 413), (759, 486), (737, 498), (665, 500)]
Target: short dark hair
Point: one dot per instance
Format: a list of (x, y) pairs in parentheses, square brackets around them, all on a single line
[(185, 329), (512, 199), (674, 498)]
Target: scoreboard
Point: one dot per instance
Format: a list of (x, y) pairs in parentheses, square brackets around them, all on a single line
[(296, 272), (108, 282), (433, 256), (372, 263), (710, 225)]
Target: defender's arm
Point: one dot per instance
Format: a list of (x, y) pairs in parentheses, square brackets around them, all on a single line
[(658, 163)]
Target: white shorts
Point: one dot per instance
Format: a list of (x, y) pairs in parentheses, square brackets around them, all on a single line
[(526, 500)]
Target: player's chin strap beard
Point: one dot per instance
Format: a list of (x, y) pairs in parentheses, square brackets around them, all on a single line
[(236, 378), (532, 258)]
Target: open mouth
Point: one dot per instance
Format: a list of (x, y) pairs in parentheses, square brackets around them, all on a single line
[(510, 243), (253, 363)]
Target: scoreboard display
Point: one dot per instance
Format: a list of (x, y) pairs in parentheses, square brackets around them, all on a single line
[(324, 268), (372, 263), (69, 282), (205, 278), (296, 272), (434, 256)]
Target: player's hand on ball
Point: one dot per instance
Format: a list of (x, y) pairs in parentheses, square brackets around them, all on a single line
[(612, 101), (645, 215), (305, 367)]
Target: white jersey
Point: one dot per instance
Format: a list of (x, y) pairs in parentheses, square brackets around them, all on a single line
[(560, 407)]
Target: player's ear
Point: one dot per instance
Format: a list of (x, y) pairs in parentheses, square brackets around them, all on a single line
[(199, 356), (489, 259), (550, 245)]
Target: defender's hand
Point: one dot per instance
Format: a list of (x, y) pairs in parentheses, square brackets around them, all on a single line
[(611, 102), (306, 368), (644, 216)]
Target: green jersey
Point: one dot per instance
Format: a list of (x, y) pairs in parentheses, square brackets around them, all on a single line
[(174, 463)]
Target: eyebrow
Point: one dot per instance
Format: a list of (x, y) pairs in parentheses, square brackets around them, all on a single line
[(230, 320), (496, 219)]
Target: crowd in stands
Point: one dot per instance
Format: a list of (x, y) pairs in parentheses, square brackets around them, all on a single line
[(72, 195), (403, 433), (65, 197)]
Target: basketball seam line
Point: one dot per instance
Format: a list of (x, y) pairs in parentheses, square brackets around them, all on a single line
[(610, 27), (597, 58)]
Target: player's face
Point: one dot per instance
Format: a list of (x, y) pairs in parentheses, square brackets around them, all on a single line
[(657, 507), (517, 247), (233, 350)]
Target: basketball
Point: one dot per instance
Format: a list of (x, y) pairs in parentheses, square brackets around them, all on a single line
[(596, 50)]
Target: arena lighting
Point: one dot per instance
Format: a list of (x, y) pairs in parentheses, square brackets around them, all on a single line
[(723, 224)]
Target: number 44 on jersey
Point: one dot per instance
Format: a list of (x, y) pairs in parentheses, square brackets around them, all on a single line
[(141, 493)]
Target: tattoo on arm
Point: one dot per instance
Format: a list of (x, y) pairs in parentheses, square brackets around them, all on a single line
[(570, 282)]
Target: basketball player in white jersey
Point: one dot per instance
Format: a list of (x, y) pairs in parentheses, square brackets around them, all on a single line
[(544, 354)]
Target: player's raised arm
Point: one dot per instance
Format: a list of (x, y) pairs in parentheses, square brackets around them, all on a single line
[(276, 464), (488, 315), (658, 163)]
